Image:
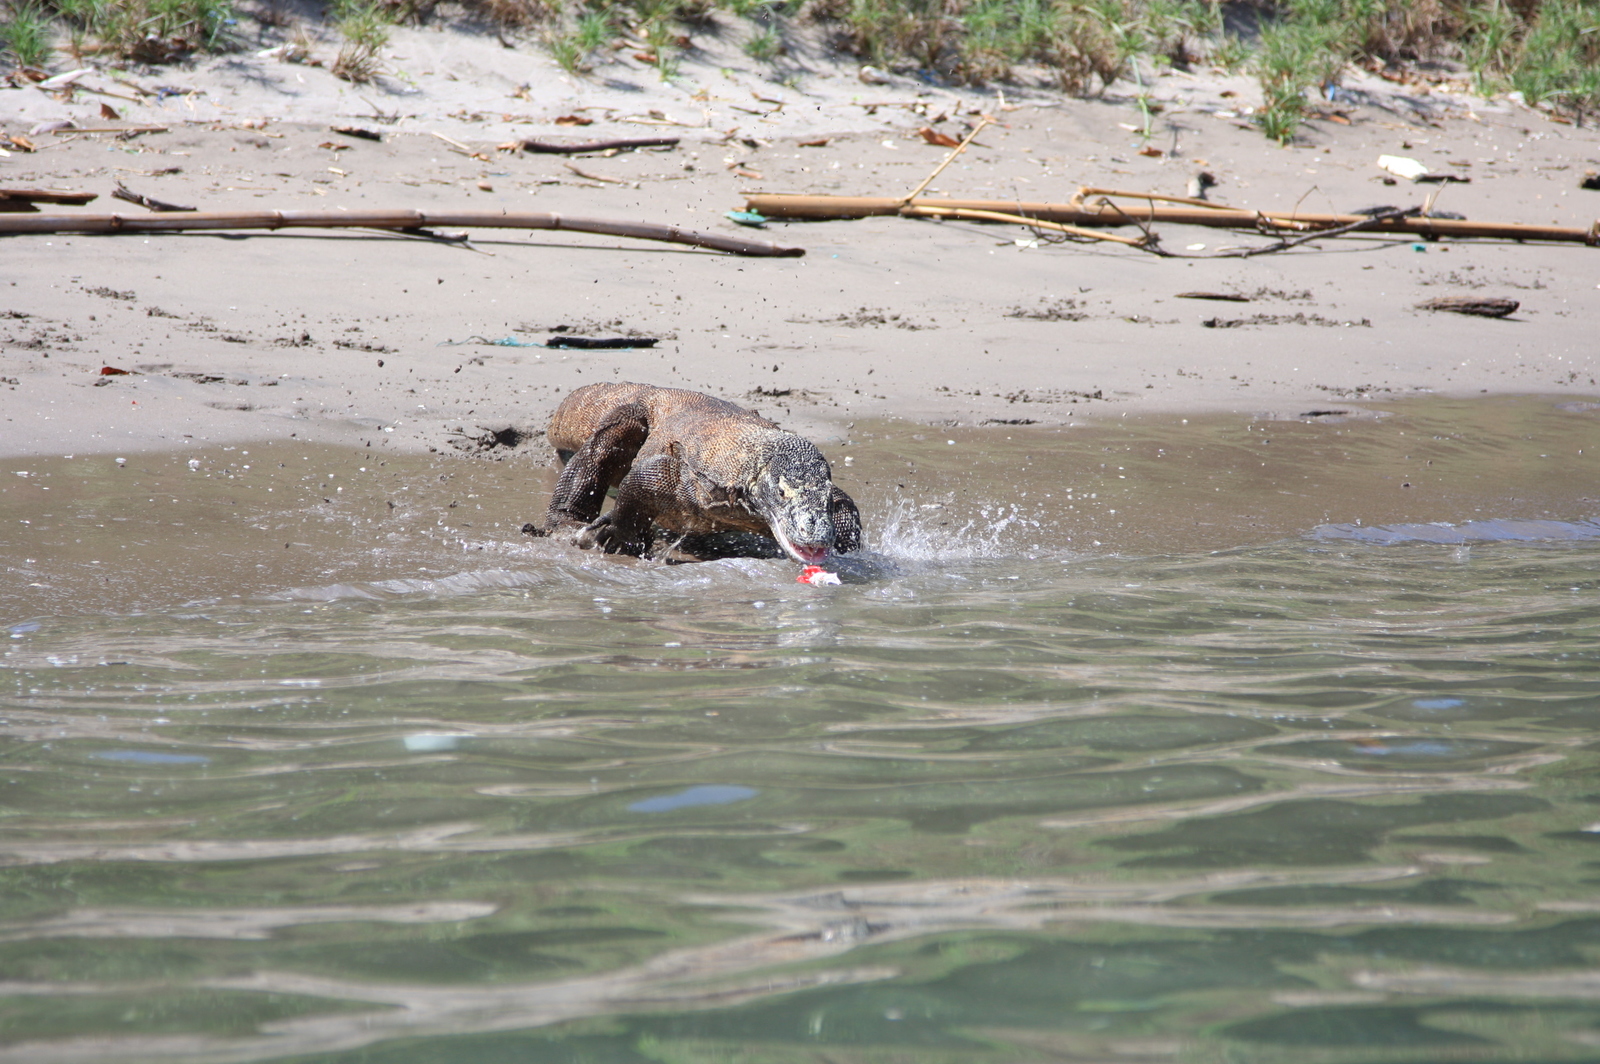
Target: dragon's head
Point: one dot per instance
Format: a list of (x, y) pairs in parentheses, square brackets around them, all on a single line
[(793, 491)]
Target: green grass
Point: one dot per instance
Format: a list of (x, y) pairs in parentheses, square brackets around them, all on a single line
[(153, 31), (364, 25), (764, 45), (1557, 59), (1547, 50), (1297, 54), (26, 34)]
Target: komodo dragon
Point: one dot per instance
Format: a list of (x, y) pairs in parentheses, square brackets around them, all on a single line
[(688, 463)]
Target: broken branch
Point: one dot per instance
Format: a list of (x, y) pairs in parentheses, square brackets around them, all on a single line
[(127, 195), (948, 159), (379, 219), (23, 199), (1371, 221)]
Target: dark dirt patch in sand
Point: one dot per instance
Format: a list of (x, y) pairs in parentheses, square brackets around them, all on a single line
[(863, 318), (1284, 319)]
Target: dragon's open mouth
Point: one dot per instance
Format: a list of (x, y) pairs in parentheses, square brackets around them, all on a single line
[(806, 553)]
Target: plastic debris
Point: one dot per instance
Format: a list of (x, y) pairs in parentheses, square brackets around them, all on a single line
[(1400, 166), (509, 341)]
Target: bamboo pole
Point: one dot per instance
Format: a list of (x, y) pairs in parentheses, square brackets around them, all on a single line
[(788, 205), (921, 210), (1086, 192), (383, 219)]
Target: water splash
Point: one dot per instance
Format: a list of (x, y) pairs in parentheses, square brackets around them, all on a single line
[(913, 531)]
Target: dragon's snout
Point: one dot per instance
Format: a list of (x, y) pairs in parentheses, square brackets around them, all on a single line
[(804, 529), (796, 503)]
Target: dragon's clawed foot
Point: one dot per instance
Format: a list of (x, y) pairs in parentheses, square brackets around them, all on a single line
[(605, 534)]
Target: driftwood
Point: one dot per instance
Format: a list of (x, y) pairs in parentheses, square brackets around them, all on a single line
[(149, 203), (785, 205), (1479, 306), (23, 199), (602, 343), (404, 220), (1284, 243), (552, 148)]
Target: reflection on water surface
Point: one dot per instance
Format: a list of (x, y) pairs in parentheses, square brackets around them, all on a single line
[(413, 789)]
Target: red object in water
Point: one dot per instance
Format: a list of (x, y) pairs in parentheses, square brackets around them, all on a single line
[(816, 574)]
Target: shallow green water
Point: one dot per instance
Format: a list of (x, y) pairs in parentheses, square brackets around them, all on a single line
[(1329, 797)]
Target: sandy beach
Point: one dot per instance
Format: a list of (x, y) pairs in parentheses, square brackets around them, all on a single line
[(359, 336)]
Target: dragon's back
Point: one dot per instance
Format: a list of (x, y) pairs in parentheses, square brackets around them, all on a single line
[(672, 414)]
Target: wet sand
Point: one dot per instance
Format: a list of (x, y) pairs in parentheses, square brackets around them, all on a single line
[(317, 522)]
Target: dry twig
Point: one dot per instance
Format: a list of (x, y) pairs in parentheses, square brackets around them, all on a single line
[(126, 194), (948, 159)]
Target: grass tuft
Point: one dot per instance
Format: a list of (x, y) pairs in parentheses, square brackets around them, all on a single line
[(26, 35), (764, 45), (364, 25)]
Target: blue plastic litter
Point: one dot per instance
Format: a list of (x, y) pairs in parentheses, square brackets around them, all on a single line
[(509, 341)]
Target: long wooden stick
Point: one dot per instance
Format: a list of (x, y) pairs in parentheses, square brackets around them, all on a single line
[(393, 219), (1085, 192), (922, 210), (785, 205), (24, 198)]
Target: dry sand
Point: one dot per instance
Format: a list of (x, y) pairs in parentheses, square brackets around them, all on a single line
[(357, 337)]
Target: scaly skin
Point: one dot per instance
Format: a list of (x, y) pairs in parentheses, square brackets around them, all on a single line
[(689, 463)]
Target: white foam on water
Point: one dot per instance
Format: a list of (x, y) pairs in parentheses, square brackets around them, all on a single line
[(908, 536), (932, 532)]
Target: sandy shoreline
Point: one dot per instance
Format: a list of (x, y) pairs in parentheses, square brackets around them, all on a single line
[(365, 338)]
